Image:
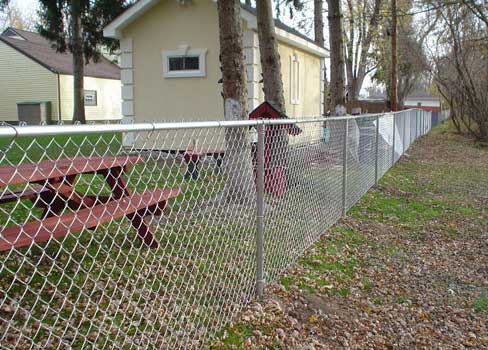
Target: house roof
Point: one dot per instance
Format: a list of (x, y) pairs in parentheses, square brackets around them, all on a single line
[(40, 50), (417, 95), (422, 95), (283, 32)]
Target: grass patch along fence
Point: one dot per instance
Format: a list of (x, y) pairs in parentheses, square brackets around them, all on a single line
[(103, 287)]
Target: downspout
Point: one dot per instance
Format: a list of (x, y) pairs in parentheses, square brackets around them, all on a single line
[(59, 100)]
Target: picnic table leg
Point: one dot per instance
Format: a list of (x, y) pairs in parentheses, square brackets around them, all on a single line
[(54, 201), (192, 162), (119, 188), (218, 163)]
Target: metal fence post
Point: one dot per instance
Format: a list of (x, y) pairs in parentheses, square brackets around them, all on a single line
[(260, 212), (422, 123), (404, 133), (344, 170), (418, 123), (394, 127), (376, 172)]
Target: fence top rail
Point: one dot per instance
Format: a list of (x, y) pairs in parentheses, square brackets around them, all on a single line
[(13, 131)]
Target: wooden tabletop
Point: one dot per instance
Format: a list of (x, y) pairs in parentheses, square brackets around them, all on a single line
[(48, 169)]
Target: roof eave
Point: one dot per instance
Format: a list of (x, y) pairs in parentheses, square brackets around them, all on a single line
[(114, 29)]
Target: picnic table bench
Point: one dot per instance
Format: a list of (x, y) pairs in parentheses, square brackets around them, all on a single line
[(192, 159), (51, 187)]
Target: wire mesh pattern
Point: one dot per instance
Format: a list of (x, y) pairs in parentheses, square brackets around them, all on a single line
[(145, 236)]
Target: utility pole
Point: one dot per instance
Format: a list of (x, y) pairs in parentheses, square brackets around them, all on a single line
[(394, 58)]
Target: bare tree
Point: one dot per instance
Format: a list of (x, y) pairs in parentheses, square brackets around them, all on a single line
[(336, 55), (238, 164), (461, 72), (479, 9), (318, 24), (362, 29), (12, 16), (394, 58)]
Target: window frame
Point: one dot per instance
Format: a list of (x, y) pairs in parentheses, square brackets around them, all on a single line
[(95, 95), (190, 73)]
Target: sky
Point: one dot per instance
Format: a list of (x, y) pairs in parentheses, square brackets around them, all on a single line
[(26, 6)]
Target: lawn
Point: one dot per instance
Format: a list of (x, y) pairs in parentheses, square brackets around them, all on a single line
[(104, 289), (79, 290), (407, 268)]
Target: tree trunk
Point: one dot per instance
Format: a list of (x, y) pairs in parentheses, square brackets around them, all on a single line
[(337, 57), (358, 50), (237, 161), (273, 83), (78, 62), (394, 58), (318, 23), (270, 58)]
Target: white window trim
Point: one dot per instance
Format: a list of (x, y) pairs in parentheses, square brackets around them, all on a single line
[(183, 51), (294, 85)]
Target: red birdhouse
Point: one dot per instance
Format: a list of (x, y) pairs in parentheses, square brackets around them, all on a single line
[(274, 170)]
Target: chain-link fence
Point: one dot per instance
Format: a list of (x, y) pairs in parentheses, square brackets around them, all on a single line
[(150, 236)]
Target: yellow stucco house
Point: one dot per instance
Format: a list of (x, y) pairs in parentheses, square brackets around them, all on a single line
[(170, 66), (36, 82)]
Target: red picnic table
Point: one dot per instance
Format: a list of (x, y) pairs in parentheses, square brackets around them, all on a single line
[(52, 189)]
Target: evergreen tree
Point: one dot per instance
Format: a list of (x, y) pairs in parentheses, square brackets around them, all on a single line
[(76, 26)]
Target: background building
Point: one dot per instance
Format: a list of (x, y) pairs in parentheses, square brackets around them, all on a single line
[(37, 81)]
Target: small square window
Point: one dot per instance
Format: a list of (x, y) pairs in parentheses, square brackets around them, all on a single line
[(90, 97), (185, 63)]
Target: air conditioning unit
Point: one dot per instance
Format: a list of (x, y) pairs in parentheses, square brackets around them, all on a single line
[(33, 113)]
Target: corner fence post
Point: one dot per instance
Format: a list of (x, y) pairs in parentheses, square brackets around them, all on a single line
[(376, 172), (393, 152), (344, 170), (260, 212)]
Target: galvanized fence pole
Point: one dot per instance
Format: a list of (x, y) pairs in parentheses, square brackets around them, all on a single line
[(423, 123), (412, 135), (393, 152), (344, 170), (404, 141), (421, 118), (260, 212), (376, 172), (418, 123)]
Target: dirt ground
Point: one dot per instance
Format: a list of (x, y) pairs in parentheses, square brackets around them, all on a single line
[(407, 269)]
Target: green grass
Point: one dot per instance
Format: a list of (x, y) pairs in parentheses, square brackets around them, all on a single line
[(67, 273), (481, 303), (34, 149)]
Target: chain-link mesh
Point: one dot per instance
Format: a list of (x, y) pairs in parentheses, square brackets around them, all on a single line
[(146, 238)]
